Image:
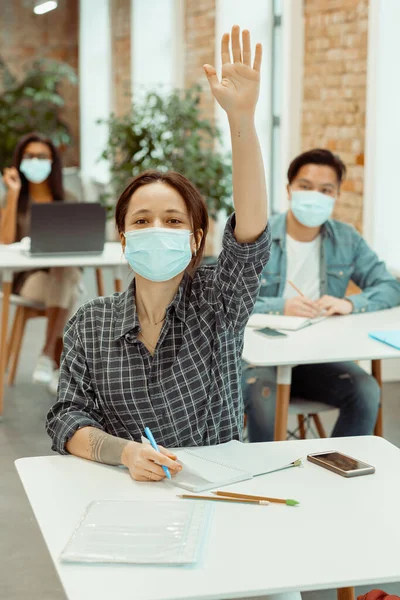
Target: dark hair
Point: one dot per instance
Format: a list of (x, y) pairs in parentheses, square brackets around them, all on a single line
[(193, 199), (55, 177), (318, 156)]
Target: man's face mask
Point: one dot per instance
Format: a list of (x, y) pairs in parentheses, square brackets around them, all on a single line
[(311, 209)]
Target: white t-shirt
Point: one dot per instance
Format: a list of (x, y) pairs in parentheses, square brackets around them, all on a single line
[(303, 268)]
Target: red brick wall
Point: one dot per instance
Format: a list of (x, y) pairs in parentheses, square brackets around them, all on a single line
[(121, 55), (199, 47), (335, 68), (25, 37)]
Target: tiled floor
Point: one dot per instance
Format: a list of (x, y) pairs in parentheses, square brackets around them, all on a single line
[(26, 571)]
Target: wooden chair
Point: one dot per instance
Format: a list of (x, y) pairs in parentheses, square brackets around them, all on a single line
[(307, 413), (25, 310), (306, 410), (28, 309)]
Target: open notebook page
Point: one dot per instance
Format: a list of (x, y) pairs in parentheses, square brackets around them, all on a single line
[(208, 467), (281, 322), (206, 470), (243, 457)]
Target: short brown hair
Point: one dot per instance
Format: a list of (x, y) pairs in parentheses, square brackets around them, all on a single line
[(195, 204), (317, 156)]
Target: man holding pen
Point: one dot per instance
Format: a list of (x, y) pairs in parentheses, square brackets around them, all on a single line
[(313, 258)]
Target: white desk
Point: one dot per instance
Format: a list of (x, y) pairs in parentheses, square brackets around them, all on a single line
[(335, 339), (345, 532), (14, 260)]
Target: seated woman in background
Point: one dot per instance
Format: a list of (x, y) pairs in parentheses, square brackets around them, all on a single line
[(37, 177)]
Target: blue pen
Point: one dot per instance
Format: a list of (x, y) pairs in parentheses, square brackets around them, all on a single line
[(153, 442)]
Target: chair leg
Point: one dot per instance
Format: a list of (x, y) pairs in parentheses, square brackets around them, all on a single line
[(319, 426), (58, 352), (302, 428), (100, 282), (19, 334), (11, 341)]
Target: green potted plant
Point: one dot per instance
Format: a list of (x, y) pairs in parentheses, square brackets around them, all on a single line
[(32, 103), (168, 132)]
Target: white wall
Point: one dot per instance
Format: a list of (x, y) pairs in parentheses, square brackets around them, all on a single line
[(292, 88), (255, 16), (94, 90), (382, 196), (157, 40)]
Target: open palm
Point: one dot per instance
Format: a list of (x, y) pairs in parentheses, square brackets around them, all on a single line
[(238, 90)]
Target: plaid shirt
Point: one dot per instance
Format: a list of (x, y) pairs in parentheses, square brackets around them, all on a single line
[(189, 392)]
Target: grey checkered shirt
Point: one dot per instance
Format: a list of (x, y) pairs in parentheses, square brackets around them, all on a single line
[(189, 392)]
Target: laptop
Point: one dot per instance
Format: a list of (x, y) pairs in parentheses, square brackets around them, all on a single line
[(61, 228)]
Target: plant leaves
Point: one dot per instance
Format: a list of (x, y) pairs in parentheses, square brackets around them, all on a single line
[(167, 131), (32, 104)]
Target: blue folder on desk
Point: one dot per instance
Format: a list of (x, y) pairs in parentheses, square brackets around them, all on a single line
[(389, 337)]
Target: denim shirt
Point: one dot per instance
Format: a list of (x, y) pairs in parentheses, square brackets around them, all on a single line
[(345, 256)]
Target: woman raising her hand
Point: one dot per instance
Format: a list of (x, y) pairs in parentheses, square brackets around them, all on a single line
[(166, 353)]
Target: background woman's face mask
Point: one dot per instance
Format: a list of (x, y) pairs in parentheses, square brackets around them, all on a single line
[(311, 209), (158, 253), (36, 170)]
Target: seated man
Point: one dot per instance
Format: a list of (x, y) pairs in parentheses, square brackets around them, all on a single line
[(320, 256)]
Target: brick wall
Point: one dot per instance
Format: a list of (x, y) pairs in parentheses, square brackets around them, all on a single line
[(121, 55), (199, 47), (335, 69), (25, 37)]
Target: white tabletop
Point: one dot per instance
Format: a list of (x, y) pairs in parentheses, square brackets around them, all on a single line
[(334, 339), (17, 259), (345, 532)]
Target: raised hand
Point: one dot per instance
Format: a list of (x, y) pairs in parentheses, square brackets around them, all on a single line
[(12, 180), (238, 90)]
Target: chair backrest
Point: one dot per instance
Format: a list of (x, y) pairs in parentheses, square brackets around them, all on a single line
[(73, 183)]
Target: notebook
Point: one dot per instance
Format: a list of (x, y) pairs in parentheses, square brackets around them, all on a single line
[(140, 533), (209, 467), (281, 322), (389, 337)]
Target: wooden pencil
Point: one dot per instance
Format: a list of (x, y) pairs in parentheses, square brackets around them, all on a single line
[(289, 502), (223, 499), (295, 288)]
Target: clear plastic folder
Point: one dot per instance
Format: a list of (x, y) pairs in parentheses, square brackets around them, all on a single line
[(169, 533)]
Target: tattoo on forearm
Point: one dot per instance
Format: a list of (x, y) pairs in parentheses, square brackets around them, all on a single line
[(105, 448)]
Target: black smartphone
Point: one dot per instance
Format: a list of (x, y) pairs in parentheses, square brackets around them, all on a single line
[(339, 463), (271, 332)]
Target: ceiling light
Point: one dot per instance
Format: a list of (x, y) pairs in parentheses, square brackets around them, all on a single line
[(43, 7)]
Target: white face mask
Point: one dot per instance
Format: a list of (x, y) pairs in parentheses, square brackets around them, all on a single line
[(311, 209), (36, 170), (158, 253)]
